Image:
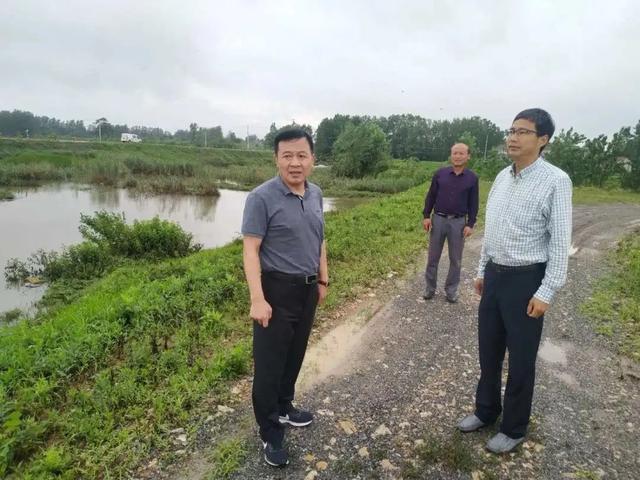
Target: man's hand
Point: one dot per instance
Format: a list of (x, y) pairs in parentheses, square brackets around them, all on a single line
[(322, 293), (536, 308), (426, 223), (478, 283), (261, 312), (467, 232)]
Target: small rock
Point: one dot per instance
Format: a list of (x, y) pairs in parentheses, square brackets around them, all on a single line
[(387, 465), (322, 466), (363, 452), (309, 457), (311, 475), (477, 475), (182, 438), (325, 413), (347, 426), (380, 431), (176, 431), (225, 409), (628, 368)]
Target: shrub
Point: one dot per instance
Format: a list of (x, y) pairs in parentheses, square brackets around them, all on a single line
[(360, 150)]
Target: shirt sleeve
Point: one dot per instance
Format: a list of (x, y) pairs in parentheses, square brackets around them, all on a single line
[(254, 218), (430, 199), (474, 201), (560, 215), (484, 258)]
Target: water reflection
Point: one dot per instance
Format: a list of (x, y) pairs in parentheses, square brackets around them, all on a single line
[(48, 218)]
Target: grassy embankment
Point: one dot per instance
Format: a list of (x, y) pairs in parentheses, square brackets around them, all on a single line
[(91, 388), (615, 303), (177, 168)]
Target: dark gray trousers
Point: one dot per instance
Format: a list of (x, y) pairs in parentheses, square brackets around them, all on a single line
[(503, 324), (450, 229), (278, 351)]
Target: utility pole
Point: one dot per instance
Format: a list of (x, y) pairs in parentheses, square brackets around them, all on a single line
[(247, 141), (100, 132), (486, 140), (205, 138)]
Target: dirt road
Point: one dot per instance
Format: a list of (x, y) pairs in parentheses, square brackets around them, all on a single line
[(387, 392)]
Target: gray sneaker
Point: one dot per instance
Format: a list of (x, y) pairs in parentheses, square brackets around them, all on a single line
[(503, 444), (470, 423)]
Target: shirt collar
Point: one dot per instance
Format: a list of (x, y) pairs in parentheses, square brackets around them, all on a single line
[(525, 171), (285, 190), (451, 170)]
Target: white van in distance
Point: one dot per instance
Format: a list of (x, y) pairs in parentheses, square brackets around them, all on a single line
[(130, 137)]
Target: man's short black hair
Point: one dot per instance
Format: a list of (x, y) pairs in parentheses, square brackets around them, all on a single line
[(292, 134), (542, 120)]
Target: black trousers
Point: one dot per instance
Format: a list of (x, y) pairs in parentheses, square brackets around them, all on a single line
[(279, 349), (503, 323)]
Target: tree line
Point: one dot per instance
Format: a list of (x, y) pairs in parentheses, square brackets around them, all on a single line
[(19, 123), (358, 145)]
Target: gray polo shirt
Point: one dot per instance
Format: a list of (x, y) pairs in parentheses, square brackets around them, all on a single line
[(291, 227)]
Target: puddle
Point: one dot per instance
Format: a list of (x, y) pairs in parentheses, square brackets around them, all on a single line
[(328, 356), (553, 352)]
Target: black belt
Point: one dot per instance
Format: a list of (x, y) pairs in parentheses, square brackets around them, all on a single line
[(449, 215), (293, 278), (514, 268)]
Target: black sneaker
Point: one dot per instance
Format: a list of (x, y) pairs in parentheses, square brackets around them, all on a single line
[(297, 418), (429, 295), (452, 299), (274, 455)]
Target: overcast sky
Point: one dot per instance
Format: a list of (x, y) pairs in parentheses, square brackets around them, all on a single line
[(245, 64)]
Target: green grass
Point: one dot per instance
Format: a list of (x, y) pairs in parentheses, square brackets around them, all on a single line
[(593, 195), (615, 303), (97, 383), (179, 168), (166, 168), (226, 458), (452, 453)]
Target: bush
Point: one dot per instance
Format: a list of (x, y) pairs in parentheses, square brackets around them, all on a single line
[(360, 150), (108, 239), (147, 238)]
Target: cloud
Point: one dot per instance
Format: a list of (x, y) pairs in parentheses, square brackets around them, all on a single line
[(247, 64)]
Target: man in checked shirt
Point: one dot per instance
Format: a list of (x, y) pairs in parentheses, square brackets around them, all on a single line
[(523, 264)]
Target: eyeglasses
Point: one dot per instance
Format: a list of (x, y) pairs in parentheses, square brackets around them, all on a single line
[(518, 132)]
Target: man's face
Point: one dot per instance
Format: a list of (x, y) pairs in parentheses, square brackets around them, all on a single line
[(524, 142), (295, 161), (459, 155)]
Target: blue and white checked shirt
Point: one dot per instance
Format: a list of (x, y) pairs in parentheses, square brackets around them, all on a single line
[(528, 221)]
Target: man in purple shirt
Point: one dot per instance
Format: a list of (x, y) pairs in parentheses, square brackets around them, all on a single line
[(453, 197)]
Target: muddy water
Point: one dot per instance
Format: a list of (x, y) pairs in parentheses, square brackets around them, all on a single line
[(48, 218)]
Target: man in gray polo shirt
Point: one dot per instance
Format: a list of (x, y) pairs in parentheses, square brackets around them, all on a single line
[(285, 263)]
